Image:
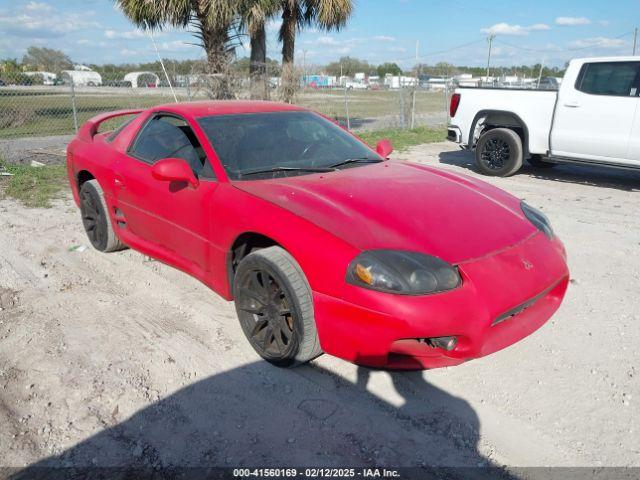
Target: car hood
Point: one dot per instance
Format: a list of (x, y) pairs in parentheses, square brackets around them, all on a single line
[(401, 205)]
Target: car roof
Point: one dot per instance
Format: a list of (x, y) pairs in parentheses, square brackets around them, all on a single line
[(225, 107)]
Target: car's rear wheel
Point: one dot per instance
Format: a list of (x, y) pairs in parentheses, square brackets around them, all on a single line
[(275, 307), (499, 152), (95, 218), (536, 161)]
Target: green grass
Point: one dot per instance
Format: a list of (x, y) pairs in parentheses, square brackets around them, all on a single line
[(33, 186), (403, 139)]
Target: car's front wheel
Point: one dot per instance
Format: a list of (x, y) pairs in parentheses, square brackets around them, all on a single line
[(275, 307), (499, 152)]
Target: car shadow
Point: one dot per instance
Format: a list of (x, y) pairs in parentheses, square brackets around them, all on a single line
[(626, 180), (261, 416)]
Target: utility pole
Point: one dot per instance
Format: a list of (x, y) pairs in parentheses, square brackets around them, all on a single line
[(635, 38), (490, 40), (540, 73)]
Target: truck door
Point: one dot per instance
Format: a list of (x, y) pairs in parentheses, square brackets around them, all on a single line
[(594, 118)]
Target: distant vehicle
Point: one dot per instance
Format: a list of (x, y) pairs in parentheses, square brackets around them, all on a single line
[(593, 119), (548, 83), (356, 86), (323, 243), (117, 83)]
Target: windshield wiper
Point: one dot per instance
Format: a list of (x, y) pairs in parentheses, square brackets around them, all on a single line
[(349, 161), (290, 169)]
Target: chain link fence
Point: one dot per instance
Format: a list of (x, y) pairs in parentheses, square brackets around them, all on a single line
[(39, 114)]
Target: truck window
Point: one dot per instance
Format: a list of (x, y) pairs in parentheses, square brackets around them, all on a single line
[(609, 78)]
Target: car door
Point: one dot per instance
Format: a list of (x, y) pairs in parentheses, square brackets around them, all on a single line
[(593, 120), (633, 153), (169, 217)]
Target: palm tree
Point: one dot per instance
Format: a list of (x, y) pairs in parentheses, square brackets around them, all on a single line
[(213, 21), (255, 14), (296, 14)]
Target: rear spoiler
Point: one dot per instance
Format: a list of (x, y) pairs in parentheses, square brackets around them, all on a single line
[(90, 128)]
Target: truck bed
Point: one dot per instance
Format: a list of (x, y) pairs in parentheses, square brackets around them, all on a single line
[(536, 106)]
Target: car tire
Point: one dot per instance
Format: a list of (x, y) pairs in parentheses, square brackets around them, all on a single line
[(499, 152), (536, 161), (95, 218), (274, 304)]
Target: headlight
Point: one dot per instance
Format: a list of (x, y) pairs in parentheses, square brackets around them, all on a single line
[(407, 273), (538, 218)]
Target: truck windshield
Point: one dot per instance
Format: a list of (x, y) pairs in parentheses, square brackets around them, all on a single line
[(274, 144)]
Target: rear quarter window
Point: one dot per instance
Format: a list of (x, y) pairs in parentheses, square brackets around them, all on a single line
[(618, 79)]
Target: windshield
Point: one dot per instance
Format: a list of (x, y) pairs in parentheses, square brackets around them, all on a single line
[(275, 144)]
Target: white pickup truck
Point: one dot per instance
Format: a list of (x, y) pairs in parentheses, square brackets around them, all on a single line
[(594, 118)]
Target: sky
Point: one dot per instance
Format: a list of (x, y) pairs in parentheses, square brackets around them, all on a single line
[(526, 32)]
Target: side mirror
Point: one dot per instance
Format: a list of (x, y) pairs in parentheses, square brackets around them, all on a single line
[(384, 148), (174, 170)]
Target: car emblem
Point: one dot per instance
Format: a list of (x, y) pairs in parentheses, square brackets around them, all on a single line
[(527, 264)]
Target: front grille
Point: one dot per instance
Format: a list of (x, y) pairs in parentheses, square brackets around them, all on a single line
[(508, 315)]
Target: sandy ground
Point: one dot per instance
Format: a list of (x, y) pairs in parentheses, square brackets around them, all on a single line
[(118, 360)]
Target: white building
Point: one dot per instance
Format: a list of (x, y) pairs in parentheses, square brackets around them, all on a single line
[(142, 79), (48, 78), (81, 76), (399, 81)]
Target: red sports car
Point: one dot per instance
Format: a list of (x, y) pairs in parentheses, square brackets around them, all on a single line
[(323, 244)]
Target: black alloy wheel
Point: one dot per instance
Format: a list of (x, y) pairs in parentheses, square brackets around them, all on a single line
[(495, 153), (93, 219), (265, 315)]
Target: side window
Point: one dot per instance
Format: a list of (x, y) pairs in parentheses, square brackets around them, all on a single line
[(609, 78), (166, 136)]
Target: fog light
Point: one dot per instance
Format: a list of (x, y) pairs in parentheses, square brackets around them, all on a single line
[(447, 343)]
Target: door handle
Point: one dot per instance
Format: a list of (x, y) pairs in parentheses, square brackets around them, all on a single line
[(572, 104)]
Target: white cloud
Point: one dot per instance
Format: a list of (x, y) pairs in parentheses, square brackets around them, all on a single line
[(129, 53), (177, 46), (384, 38), (128, 35), (326, 40), (603, 23), (397, 49), (38, 7), (37, 20), (600, 42), (572, 21), (507, 29), (536, 27)]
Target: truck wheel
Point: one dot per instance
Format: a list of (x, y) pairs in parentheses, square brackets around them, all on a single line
[(275, 307), (499, 152), (536, 161)]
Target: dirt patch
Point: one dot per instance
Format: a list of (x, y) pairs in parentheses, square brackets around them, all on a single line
[(116, 360), (8, 299)]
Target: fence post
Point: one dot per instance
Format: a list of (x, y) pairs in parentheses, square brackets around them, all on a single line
[(346, 107), (402, 111), (73, 106), (446, 103)]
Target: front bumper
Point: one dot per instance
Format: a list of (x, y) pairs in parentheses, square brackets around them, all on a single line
[(454, 134), (504, 298)]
